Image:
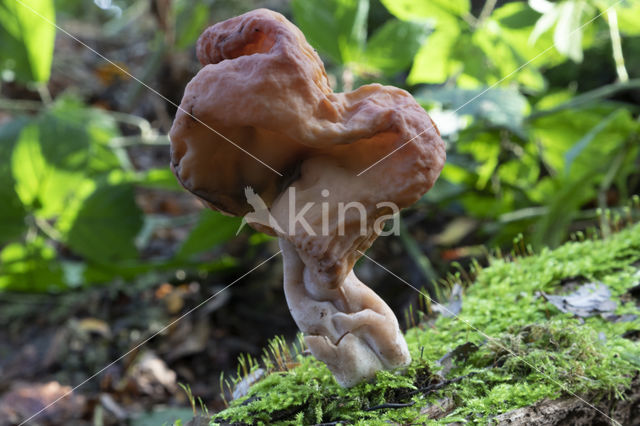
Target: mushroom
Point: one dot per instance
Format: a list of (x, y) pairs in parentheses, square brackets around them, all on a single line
[(259, 126)]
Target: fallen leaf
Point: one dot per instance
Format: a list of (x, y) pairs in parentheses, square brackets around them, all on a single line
[(454, 305), (25, 400), (242, 388), (588, 300)]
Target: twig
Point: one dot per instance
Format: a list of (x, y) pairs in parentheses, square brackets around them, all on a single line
[(432, 388)]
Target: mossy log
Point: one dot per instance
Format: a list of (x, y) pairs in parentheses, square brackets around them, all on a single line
[(516, 353), (573, 411)]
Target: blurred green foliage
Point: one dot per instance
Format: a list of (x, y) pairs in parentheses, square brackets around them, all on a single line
[(27, 43), (534, 142), (71, 216)]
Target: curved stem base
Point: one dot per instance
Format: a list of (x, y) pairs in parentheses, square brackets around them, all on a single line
[(349, 328)]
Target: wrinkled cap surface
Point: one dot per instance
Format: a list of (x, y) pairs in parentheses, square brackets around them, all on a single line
[(264, 87)]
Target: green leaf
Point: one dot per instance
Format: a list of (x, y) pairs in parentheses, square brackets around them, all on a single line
[(29, 167), (161, 178), (392, 47), (558, 133), (27, 39), (485, 149), (628, 13), (498, 106), (415, 10), (106, 225), (191, 19), (551, 228), (584, 142), (58, 152), (337, 28), (30, 267), (433, 62), (12, 212), (212, 229)]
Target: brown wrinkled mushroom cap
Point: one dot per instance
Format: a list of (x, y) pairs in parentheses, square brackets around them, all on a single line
[(264, 88)]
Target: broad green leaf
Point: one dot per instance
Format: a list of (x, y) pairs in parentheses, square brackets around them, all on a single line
[(41, 185), (12, 211), (433, 62), (106, 225), (29, 167), (628, 14), (508, 53), (392, 47), (477, 69), (212, 229), (162, 178), (485, 149), (30, 267), (497, 106), (415, 10), (558, 133), (584, 142), (27, 35), (337, 28), (60, 150)]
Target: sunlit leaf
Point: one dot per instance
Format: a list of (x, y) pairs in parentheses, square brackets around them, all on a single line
[(159, 178), (432, 63), (30, 267), (485, 149), (337, 28), (557, 134), (415, 10), (497, 106), (392, 47), (29, 166), (628, 13), (58, 151), (27, 35), (588, 138)]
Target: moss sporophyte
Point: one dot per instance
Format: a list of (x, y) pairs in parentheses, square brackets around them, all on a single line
[(534, 351)]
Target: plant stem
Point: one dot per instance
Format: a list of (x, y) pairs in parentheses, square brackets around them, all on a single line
[(488, 7), (616, 45)]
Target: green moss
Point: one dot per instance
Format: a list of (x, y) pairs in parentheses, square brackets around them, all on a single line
[(528, 350)]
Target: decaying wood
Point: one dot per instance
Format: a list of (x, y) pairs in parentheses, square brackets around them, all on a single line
[(573, 411)]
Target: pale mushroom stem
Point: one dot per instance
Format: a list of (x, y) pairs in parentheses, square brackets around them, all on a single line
[(351, 329)]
